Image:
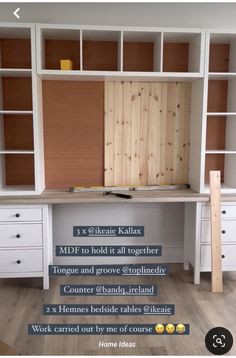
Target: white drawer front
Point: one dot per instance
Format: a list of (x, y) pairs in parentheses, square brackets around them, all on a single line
[(228, 231), (227, 211), (21, 261), (228, 251), (21, 214), (13, 235)]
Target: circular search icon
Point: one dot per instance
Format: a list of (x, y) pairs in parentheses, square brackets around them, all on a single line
[(219, 340)]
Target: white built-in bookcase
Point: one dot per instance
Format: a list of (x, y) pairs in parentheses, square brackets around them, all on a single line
[(137, 54), (218, 147), (19, 108), (124, 41)]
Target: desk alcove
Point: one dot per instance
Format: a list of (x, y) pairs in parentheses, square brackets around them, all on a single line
[(154, 217)]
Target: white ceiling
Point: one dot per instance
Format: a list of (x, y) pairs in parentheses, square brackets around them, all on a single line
[(134, 14)]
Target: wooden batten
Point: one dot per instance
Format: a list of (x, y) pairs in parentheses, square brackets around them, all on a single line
[(216, 260), (147, 134)]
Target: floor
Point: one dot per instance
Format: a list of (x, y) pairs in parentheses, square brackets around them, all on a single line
[(21, 303)]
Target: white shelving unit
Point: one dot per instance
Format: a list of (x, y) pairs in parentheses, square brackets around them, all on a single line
[(218, 148), (134, 53), (19, 112)]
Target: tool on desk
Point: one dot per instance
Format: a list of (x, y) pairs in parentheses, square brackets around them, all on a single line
[(120, 195)]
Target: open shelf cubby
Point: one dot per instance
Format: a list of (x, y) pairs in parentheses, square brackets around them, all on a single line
[(16, 132), (226, 163), (181, 52), (15, 48), (222, 53), (142, 51), (101, 50), (15, 94), (17, 170), (60, 44), (221, 132)]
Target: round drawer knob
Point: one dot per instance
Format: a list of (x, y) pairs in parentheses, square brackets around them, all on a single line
[(223, 256), (17, 215), (17, 236), (18, 262), (223, 232), (223, 211)]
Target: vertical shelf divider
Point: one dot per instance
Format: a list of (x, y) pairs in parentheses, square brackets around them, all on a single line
[(120, 51), (81, 49)]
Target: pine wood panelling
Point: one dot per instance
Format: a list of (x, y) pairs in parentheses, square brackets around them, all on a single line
[(18, 132), (17, 93), (138, 56), (15, 53), (73, 133), (135, 134), (19, 169), (175, 57), (219, 57), (151, 146), (56, 50), (127, 128), (100, 55), (109, 123), (117, 133)]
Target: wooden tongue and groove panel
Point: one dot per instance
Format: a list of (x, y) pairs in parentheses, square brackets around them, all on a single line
[(147, 134)]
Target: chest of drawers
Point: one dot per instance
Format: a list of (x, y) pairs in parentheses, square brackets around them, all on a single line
[(25, 241), (198, 237)]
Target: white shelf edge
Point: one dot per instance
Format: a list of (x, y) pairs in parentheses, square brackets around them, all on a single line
[(220, 151), (16, 152), (221, 75), (119, 73), (15, 112), (221, 114), (14, 72)]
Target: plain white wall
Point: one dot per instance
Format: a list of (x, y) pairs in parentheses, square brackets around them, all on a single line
[(163, 222), (136, 14)]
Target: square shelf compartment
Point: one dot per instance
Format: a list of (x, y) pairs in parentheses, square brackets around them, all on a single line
[(15, 94), (226, 163), (142, 51), (101, 50), (60, 44), (221, 97), (16, 133), (221, 133), (181, 52), (222, 53), (17, 171), (15, 48)]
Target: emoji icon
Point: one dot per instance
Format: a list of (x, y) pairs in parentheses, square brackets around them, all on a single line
[(159, 328), (170, 328), (180, 328)]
